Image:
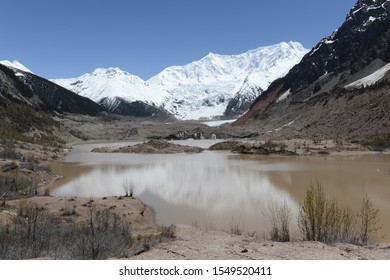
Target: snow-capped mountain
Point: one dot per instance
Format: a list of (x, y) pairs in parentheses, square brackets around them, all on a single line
[(15, 65), (103, 83), (201, 89)]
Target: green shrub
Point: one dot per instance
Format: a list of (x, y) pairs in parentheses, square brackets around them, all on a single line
[(379, 141), (322, 219)]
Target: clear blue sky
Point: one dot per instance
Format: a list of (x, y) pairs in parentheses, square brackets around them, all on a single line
[(67, 38)]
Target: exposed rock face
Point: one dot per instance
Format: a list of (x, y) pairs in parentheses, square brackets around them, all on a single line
[(318, 95), (121, 106), (242, 101), (28, 89)]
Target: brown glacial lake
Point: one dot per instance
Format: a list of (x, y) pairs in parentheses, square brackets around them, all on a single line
[(219, 189)]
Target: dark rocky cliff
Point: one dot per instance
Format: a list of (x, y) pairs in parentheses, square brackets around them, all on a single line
[(314, 99)]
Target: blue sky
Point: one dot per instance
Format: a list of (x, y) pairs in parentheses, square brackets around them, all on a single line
[(67, 38)]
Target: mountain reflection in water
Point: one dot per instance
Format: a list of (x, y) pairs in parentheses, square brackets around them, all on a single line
[(216, 189)]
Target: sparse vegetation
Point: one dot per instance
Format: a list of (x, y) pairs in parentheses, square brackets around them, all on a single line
[(322, 219), (269, 144), (8, 150), (143, 243), (35, 232), (68, 210), (379, 141), (128, 187), (19, 120), (235, 227), (368, 220), (78, 134), (279, 218)]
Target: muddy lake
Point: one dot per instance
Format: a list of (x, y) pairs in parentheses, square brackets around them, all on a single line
[(218, 190)]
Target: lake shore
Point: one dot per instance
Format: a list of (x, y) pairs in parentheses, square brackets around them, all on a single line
[(191, 242), (194, 243)]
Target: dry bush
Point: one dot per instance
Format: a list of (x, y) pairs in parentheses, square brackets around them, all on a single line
[(37, 233), (279, 218), (30, 234), (368, 221), (235, 227), (128, 187), (68, 210), (102, 236)]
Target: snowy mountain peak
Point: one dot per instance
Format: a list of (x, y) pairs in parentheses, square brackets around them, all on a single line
[(200, 89), (15, 65), (215, 67), (106, 82), (114, 72)]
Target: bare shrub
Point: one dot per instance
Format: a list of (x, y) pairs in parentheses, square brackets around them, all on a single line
[(23, 207), (103, 235), (68, 210), (235, 227), (37, 233), (30, 233), (128, 187), (143, 243), (16, 184), (368, 221), (279, 218)]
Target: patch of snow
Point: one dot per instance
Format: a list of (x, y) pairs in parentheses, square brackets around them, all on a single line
[(218, 123), (283, 96), (371, 19), (313, 51), (370, 79), (373, 8), (15, 65), (283, 126), (358, 10), (325, 74)]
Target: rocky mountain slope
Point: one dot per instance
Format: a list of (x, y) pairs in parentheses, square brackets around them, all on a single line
[(28, 104), (207, 88), (340, 88), (27, 88)]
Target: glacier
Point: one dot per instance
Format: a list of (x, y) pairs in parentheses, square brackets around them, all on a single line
[(199, 90)]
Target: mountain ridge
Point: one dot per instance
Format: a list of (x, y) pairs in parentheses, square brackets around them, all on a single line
[(318, 97), (200, 89), (29, 105)]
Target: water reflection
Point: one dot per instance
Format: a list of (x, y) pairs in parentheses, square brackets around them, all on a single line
[(212, 188)]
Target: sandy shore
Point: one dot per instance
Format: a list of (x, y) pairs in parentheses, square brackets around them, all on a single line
[(192, 243), (132, 210)]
